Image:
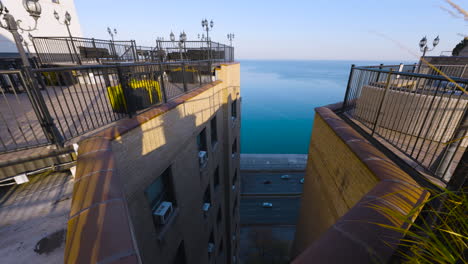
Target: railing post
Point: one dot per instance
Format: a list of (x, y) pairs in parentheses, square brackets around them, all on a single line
[(124, 81), (378, 74), (163, 85), (69, 50), (94, 46), (348, 88), (46, 121), (387, 85), (450, 150), (183, 76), (135, 54)]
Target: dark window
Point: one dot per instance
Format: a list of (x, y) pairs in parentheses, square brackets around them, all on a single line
[(234, 109), (219, 217), (56, 1), (180, 257), (234, 149), (161, 190), (201, 140), (214, 132), (234, 208), (216, 178), (211, 245), (234, 180), (207, 195), (220, 250)]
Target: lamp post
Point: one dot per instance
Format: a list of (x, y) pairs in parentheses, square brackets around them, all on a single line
[(181, 42), (66, 22), (208, 27), (112, 32), (230, 37), (11, 24), (424, 48)]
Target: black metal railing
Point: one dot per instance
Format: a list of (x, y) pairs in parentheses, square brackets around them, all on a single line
[(424, 117), (74, 50), (68, 102)]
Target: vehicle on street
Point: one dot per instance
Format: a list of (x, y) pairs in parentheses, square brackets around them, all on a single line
[(285, 177), (302, 181), (267, 205)]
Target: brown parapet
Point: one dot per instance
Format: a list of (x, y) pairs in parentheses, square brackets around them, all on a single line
[(357, 236)]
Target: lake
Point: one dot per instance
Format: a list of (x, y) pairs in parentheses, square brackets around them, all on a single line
[(279, 97)]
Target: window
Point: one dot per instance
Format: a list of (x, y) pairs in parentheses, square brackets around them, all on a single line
[(234, 110), (216, 178), (234, 180), (207, 195), (56, 1), (214, 132), (234, 149), (180, 257), (219, 216), (220, 250), (234, 208), (161, 190), (211, 245), (201, 140), (202, 149)]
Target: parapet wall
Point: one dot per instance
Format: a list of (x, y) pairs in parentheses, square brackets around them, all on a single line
[(114, 164), (346, 175)]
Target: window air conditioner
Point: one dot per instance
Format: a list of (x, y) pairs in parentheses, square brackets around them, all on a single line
[(206, 207), (211, 247), (163, 212), (202, 158)]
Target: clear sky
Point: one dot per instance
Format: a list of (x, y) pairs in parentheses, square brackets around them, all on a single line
[(271, 29)]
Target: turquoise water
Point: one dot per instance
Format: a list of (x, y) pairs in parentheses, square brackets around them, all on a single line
[(279, 97)]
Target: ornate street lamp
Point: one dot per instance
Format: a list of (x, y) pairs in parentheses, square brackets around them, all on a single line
[(424, 47), (230, 37), (181, 42), (66, 22), (112, 33), (11, 24), (207, 27)]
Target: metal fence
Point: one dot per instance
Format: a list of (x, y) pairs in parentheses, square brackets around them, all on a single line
[(424, 117), (67, 102), (66, 51)]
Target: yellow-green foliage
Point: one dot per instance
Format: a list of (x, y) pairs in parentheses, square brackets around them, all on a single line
[(117, 98), (444, 239)]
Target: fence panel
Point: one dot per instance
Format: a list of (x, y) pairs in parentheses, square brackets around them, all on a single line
[(418, 114)]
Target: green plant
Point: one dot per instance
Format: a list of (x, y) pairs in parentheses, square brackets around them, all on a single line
[(439, 234), (459, 47)]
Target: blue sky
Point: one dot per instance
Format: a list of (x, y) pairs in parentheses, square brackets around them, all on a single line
[(270, 29)]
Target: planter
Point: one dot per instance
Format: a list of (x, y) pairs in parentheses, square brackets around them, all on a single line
[(145, 94)]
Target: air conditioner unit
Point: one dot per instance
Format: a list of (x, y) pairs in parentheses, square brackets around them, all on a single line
[(202, 158), (206, 207), (211, 247), (163, 212)]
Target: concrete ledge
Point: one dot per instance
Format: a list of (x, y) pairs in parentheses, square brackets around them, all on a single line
[(355, 237)]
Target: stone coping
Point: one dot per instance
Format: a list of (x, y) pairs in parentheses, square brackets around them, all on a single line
[(99, 226), (355, 238)]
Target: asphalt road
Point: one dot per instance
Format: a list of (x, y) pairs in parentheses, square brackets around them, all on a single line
[(285, 211), (270, 182)]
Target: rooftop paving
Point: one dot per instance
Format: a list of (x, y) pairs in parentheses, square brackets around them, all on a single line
[(33, 219)]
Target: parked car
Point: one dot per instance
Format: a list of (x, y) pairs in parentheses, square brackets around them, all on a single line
[(267, 205), (302, 181), (285, 177)]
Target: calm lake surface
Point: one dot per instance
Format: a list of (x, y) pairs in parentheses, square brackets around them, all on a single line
[(279, 97)]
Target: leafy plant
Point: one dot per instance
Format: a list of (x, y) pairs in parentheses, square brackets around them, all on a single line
[(440, 233)]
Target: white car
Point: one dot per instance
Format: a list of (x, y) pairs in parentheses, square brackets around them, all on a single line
[(267, 205), (302, 181), (285, 177)]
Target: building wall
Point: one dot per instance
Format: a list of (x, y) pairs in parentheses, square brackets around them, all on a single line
[(347, 180), (170, 140), (335, 180), (47, 24)]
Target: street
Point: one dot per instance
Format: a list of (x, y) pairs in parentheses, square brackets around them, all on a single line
[(284, 211)]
